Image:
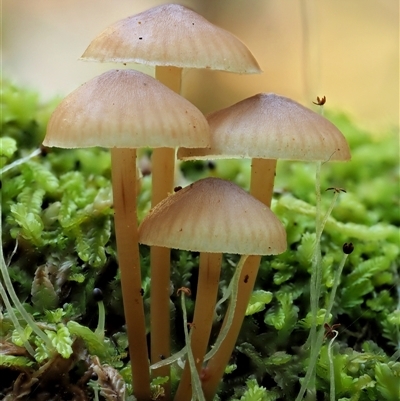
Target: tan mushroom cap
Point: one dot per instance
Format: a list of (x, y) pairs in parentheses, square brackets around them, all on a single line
[(172, 35), (125, 109), (214, 215), (269, 126)]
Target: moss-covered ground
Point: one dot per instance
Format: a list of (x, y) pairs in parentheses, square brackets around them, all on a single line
[(59, 246)]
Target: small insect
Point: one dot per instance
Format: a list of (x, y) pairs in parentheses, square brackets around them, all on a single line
[(162, 357), (178, 188), (141, 291), (246, 278)]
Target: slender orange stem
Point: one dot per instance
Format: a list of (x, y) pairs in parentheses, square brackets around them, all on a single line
[(206, 298), (262, 179), (217, 364), (160, 267), (163, 170), (261, 187), (160, 309), (123, 162)]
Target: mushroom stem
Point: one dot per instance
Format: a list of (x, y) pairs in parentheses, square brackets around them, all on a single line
[(217, 364), (169, 76), (123, 167), (163, 171), (160, 266), (262, 179), (261, 187), (206, 297)]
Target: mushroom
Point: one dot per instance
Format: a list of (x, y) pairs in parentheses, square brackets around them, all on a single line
[(211, 216), (265, 127), (124, 110), (172, 35), (169, 37)]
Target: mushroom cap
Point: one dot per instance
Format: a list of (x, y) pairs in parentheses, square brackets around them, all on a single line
[(172, 35), (269, 126), (125, 109), (214, 215)]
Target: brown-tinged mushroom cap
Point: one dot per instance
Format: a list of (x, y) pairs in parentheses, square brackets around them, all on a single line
[(125, 109), (214, 215), (172, 35), (269, 126)]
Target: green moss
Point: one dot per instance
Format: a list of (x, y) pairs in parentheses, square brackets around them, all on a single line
[(58, 206)]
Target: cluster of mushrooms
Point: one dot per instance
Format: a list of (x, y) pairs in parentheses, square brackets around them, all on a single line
[(124, 110)]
